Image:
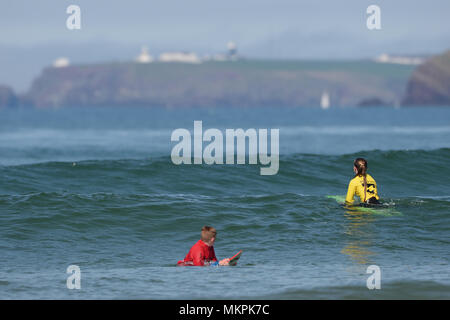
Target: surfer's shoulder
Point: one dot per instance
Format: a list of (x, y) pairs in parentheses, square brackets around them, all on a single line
[(354, 180)]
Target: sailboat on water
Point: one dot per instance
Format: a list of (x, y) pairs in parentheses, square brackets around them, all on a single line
[(325, 100)]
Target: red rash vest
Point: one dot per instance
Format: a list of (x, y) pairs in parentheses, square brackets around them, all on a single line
[(200, 255)]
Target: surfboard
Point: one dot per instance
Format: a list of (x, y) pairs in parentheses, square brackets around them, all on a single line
[(234, 259), (376, 209)]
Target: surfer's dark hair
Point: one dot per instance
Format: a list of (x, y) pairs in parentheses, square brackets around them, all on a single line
[(208, 233), (361, 167)]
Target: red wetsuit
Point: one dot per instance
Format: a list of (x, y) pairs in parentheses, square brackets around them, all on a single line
[(200, 255)]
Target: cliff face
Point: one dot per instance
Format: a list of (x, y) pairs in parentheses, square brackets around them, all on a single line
[(8, 97), (430, 83), (242, 83)]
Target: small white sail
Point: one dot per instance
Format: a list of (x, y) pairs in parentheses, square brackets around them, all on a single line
[(325, 100)]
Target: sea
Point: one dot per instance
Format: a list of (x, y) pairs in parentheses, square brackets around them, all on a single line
[(96, 188)]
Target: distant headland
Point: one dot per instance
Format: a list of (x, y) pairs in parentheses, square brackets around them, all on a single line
[(181, 80), (430, 83)]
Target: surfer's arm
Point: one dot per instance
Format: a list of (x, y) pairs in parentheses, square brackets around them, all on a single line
[(350, 193), (223, 262), (214, 259), (376, 192), (213, 254)]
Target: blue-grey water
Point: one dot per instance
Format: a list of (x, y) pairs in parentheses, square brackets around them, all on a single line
[(97, 188)]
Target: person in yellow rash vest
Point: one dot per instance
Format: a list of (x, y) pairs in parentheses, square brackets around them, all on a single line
[(362, 185)]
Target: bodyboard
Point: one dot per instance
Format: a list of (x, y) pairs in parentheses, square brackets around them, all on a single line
[(234, 259), (376, 209)]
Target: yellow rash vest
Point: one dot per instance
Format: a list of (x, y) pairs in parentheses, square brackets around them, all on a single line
[(356, 187)]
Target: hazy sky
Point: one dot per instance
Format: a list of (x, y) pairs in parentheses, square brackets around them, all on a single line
[(33, 33), (203, 22)]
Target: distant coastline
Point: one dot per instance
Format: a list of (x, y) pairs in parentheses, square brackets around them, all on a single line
[(240, 83)]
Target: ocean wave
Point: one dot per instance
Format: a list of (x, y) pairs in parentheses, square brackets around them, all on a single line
[(366, 129), (405, 172), (399, 289)]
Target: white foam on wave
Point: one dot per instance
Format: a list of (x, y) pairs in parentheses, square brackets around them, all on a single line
[(351, 130), (71, 137)]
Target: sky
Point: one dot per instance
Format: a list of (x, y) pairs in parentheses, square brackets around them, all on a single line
[(34, 33)]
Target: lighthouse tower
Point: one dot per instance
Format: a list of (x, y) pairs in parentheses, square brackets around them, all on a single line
[(232, 50), (144, 57)]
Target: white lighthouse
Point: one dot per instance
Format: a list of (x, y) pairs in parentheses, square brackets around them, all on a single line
[(232, 50), (144, 57)]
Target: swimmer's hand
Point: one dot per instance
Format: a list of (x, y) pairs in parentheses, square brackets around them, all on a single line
[(224, 262)]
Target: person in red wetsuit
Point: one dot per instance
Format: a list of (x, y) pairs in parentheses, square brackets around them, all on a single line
[(202, 253)]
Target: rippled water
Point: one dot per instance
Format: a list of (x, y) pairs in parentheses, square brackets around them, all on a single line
[(97, 188)]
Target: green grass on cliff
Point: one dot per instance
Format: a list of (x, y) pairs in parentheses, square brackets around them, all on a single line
[(212, 83)]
